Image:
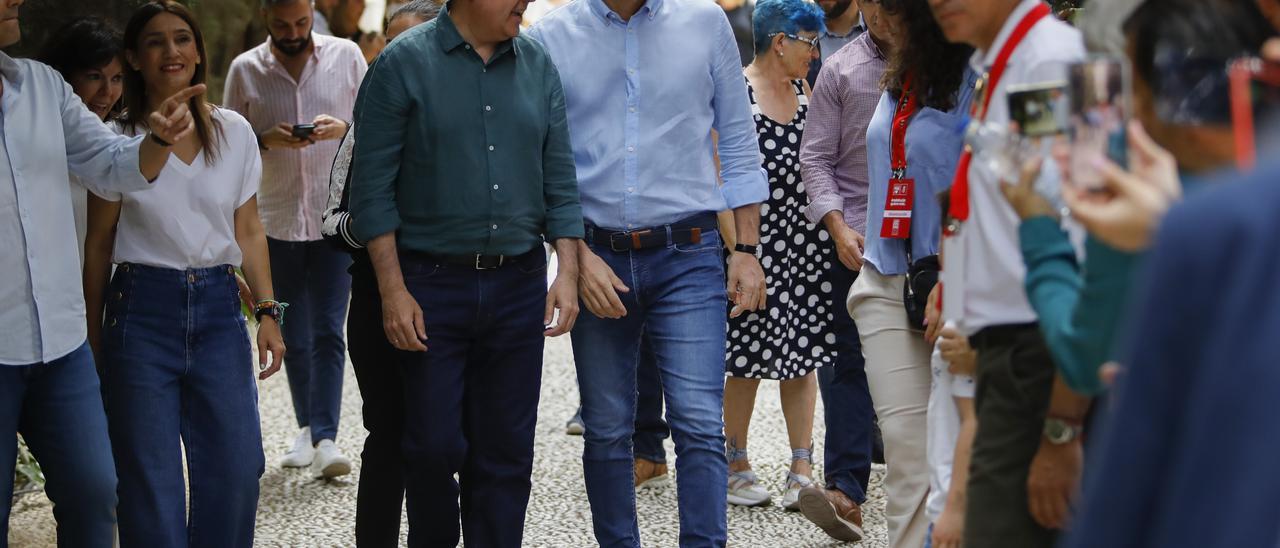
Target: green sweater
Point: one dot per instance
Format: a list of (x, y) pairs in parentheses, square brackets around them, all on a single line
[(1080, 310)]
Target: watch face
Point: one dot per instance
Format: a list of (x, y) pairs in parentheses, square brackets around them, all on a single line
[(1058, 432)]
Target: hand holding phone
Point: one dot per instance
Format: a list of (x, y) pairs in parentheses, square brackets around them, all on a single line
[(303, 131), (282, 137)]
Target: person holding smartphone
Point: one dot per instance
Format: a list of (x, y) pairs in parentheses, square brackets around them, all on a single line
[(296, 89)]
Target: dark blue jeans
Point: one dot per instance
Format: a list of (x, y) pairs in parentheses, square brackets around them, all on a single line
[(677, 303), (177, 367), (376, 364), (312, 277), (57, 407), (471, 399), (846, 401)]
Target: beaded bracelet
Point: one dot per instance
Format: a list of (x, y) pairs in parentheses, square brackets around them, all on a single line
[(272, 308)]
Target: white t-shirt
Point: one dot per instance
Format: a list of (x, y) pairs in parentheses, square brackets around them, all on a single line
[(984, 271), (187, 219), (943, 430)]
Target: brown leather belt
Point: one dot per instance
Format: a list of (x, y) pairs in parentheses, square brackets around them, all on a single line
[(684, 231)]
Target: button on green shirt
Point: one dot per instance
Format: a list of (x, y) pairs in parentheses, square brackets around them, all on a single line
[(461, 156)]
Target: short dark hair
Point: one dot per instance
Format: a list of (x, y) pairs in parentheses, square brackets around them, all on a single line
[(1214, 29), (425, 10), (268, 4), (84, 43)]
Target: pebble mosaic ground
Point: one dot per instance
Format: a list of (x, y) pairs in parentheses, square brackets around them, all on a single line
[(296, 511)]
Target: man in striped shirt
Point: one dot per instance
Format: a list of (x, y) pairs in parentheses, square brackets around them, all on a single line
[(299, 77)]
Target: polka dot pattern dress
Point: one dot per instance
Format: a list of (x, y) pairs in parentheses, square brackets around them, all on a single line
[(794, 335)]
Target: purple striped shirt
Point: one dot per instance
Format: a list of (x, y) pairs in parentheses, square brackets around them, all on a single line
[(295, 183), (833, 154)]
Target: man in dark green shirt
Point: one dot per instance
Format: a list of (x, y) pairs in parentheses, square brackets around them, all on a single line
[(462, 168)]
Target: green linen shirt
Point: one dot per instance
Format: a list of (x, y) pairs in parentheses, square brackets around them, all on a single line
[(461, 156)]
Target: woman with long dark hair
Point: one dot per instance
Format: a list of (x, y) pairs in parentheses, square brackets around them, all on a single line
[(177, 364), (87, 53), (912, 150)]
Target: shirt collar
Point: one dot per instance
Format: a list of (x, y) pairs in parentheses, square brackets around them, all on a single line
[(856, 29), (872, 46), (10, 69), (603, 11), (450, 39), (983, 59)]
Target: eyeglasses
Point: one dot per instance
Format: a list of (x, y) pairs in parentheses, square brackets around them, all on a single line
[(813, 42)]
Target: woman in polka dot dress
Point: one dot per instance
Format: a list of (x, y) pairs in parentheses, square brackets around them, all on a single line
[(793, 336)]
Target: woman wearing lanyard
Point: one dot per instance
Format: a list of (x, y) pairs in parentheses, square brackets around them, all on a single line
[(913, 144), (177, 365)]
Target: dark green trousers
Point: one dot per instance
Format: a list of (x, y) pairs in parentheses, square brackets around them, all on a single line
[(1015, 380)]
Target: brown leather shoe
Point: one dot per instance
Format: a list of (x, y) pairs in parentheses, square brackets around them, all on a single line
[(833, 511), (650, 474)]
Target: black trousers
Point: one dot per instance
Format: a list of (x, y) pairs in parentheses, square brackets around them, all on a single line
[(1015, 381), (381, 494)]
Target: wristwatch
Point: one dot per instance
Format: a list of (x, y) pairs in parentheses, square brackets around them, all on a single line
[(1061, 432), (753, 250)]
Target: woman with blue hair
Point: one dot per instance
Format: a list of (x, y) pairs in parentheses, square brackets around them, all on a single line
[(793, 336)]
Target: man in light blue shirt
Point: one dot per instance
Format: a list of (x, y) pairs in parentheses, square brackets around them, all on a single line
[(645, 84), (49, 389)]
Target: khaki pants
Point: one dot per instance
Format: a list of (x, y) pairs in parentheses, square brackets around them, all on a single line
[(899, 376)]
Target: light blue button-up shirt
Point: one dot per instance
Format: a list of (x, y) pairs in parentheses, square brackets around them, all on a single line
[(46, 131), (934, 142), (643, 97)]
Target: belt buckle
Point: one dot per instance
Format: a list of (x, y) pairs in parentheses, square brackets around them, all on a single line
[(479, 266)]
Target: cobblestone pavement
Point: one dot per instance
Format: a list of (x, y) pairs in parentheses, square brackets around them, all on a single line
[(298, 511)]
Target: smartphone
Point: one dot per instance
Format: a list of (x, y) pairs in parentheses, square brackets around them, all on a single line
[(1101, 103), (303, 131), (1040, 110), (1254, 96)]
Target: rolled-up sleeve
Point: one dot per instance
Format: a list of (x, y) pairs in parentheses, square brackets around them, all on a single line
[(382, 110), (104, 161), (820, 147), (560, 179), (745, 182)]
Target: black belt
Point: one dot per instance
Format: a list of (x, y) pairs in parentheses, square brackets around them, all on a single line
[(481, 262), (684, 231), (1001, 334)]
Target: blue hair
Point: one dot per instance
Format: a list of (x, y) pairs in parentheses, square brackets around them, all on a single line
[(784, 16)]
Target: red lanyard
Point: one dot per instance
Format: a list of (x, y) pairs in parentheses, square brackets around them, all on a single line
[(959, 209), (900, 197), (907, 105)]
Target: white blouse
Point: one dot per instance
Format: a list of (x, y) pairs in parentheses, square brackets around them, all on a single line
[(187, 219)]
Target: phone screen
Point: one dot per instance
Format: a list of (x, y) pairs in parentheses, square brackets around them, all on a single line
[(1101, 99), (1040, 110)]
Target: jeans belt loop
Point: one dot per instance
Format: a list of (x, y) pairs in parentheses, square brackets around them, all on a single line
[(668, 227)]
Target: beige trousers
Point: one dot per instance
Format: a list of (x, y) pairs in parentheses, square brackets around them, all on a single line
[(898, 373)]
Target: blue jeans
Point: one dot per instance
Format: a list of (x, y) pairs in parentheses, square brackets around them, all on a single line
[(471, 399), (677, 303), (312, 277), (177, 367), (846, 402), (651, 429), (57, 407), (376, 364)]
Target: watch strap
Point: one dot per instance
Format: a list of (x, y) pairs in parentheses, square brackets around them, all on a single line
[(748, 249)]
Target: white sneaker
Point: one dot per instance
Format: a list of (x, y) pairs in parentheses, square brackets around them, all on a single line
[(791, 497), (744, 491), (302, 453), (329, 462)]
